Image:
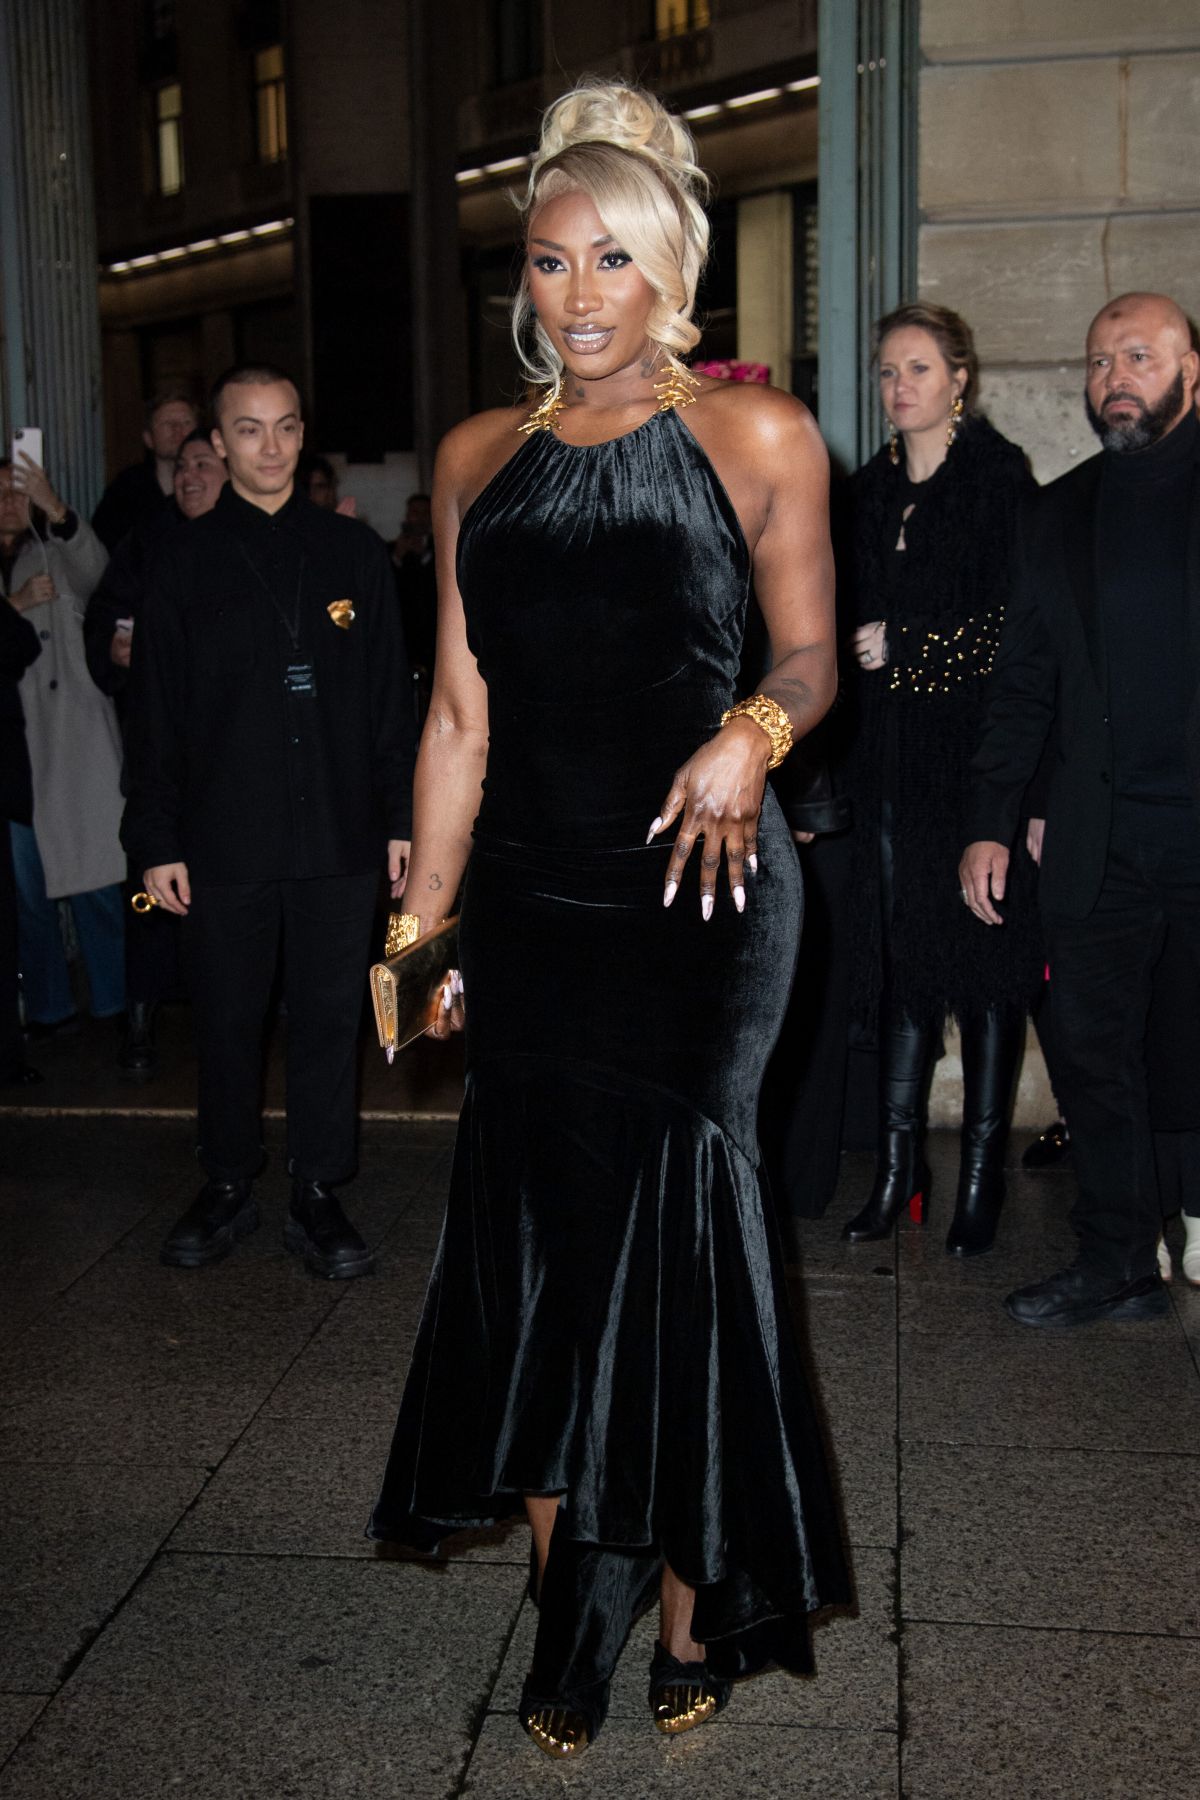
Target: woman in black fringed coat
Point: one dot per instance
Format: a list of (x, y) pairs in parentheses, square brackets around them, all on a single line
[(933, 523)]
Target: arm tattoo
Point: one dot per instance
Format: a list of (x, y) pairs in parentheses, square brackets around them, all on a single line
[(795, 696), (435, 883)]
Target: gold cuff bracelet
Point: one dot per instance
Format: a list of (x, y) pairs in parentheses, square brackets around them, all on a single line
[(768, 714)]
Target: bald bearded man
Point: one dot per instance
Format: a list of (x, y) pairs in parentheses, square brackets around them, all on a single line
[(1102, 641)]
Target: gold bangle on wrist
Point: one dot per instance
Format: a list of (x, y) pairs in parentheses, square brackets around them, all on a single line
[(403, 929), (768, 714)]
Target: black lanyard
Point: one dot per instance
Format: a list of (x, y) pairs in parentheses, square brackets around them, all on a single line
[(292, 625)]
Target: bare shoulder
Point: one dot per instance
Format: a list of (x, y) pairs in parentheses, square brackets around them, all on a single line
[(762, 417), (472, 452), (765, 443), (760, 423)]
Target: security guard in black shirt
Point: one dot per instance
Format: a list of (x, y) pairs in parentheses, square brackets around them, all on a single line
[(270, 762)]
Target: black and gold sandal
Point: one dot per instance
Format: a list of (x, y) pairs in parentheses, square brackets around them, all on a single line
[(564, 1727), (684, 1694)]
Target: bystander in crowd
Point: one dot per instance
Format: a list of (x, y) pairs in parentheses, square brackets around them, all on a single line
[(50, 560), (153, 972), (270, 787), (145, 487)]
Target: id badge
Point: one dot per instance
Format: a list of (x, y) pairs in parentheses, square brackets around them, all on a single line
[(300, 679)]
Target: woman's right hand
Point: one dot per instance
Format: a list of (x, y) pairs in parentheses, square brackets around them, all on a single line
[(452, 1013), (35, 592), (870, 645)]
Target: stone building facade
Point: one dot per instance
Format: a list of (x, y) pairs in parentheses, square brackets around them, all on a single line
[(1059, 166)]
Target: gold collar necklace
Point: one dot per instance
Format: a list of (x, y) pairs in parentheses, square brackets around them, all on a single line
[(677, 388)]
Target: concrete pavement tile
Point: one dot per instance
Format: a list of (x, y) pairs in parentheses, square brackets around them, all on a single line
[(982, 1380), (847, 1331), (73, 1540), (17, 1714), (718, 1761), (819, 1244), (1033, 1240), (978, 1312), (173, 1366), (854, 1688), (305, 1487), (1087, 1717), (1057, 1538), (228, 1678), (864, 1475)]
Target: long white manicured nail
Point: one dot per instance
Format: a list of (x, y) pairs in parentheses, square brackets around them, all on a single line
[(654, 831), (739, 898), (752, 864), (447, 998), (706, 906), (669, 892)]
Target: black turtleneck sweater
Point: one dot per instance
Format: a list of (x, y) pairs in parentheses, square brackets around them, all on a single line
[(1141, 570)]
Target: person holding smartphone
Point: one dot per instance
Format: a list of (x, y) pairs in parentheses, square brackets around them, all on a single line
[(50, 560)]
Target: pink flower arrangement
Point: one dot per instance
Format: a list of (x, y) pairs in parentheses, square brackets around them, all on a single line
[(735, 371)]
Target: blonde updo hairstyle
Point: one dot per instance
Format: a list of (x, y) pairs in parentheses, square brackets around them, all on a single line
[(637, 164)]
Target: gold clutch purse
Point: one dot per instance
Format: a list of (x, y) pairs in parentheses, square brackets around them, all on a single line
[(406, 991)]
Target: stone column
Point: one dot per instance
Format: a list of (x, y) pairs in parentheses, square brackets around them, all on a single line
[(48, 304), (764, 284)]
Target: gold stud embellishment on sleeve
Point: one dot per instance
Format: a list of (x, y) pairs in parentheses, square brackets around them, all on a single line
[(943, 662)]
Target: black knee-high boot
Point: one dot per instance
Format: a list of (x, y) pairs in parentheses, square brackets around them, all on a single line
[(901, 1173), (991, 1051)]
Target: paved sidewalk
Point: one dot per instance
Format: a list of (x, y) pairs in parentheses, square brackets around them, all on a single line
[(188, 1605)]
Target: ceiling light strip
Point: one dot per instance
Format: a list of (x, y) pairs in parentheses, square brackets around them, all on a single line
[(696, 114), (227, 240)]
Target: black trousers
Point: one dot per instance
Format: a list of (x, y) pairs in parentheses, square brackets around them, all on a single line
[(1101, 981), (232, 938), (153, 941)]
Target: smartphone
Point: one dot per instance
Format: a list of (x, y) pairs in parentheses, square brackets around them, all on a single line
[(27, 441)]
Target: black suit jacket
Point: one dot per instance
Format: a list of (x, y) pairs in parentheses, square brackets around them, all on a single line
[(1051, 670), (234, 768)]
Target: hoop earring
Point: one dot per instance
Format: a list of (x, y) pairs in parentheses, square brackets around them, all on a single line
[(893, 446), (956, 413)]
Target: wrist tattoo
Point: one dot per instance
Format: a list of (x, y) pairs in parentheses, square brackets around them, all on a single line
[(436, 883)]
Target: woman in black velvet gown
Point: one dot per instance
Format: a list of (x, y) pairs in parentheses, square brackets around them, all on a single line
[(606, 1339)]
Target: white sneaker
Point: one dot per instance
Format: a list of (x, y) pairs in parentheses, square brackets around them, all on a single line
[(1191, 1250), (1164, 1256)]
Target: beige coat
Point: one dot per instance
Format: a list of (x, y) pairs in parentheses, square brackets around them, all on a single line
[(74, 738)]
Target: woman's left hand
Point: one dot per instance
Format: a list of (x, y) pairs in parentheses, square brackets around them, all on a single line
[(870, 645), (31, 480), (719, 792)]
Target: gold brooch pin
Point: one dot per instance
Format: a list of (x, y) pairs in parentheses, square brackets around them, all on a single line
[(342, 613)]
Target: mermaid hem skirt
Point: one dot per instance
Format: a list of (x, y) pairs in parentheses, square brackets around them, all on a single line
[(607, 1321)]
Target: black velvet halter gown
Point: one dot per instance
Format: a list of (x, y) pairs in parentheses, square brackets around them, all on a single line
[(607, 1318)]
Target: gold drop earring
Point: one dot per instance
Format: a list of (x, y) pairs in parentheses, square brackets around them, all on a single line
[(893, 445), (956, 413)]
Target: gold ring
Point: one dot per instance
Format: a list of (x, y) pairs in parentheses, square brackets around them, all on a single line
[(144, 903)]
